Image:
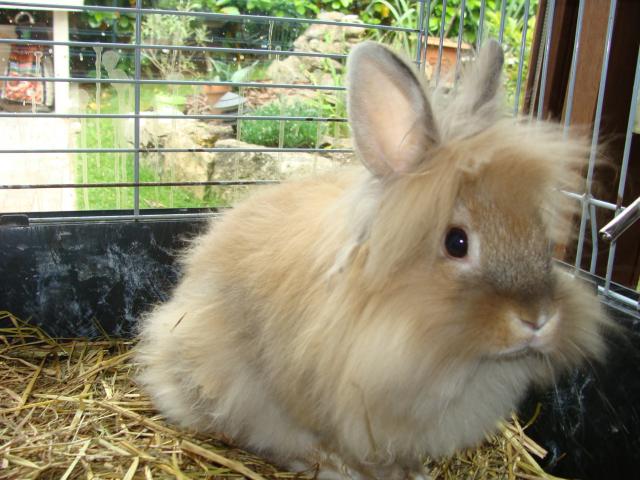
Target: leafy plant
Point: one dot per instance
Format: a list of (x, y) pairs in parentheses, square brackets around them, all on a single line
[(278, 8), (334, 105), (122, 24), (282, 8), (399, 13), (514, 24), (292, 134), (176, 30), (336, 5), (405, 13), (229, 71)]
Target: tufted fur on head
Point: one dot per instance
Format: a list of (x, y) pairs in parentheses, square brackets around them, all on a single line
[(424, 155)]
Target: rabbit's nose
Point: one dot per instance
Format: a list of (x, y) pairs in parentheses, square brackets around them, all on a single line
[(535, 322)]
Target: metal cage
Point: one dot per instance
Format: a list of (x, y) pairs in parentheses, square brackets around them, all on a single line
[(423, 39)]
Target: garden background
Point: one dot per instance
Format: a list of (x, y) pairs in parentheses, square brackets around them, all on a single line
[(320, 127)]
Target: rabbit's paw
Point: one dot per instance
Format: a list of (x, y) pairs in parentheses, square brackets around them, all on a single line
[(422, 474), (330, 466)]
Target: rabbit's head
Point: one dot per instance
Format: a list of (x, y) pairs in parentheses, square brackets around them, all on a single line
[(461, 211)]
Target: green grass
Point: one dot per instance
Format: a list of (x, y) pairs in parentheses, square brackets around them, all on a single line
[(118, 167)]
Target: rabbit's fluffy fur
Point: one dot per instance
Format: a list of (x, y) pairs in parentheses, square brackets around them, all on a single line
[(322, 321)]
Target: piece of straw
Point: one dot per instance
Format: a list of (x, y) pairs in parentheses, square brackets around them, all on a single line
[(214, 457)]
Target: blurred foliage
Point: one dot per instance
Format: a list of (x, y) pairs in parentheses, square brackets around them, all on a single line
[(388, 12), (176, 30), (282, 8), (406, 13), (230, 71), (233, 33), (248, 33), (254, 34), (122, 24), (283, 133), (108, 167), (104, 27)]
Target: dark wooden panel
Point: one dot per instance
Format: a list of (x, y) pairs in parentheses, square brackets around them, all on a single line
[(619, 83), (617, 100), (590, 52)]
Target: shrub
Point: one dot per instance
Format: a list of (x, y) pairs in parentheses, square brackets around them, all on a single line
[(294, 134), (173, 30), (405, 13)]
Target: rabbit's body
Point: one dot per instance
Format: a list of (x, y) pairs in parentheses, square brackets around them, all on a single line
[(261, 340), (322, 321)]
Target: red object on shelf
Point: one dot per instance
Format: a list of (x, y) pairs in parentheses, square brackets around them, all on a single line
[(28, 61)]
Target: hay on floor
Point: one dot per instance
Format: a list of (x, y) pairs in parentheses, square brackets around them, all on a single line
[(69, 409)]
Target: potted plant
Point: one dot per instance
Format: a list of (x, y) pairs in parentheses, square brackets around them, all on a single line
[(224, 72)]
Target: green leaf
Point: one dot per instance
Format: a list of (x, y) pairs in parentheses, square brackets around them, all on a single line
[(230, 10), (241, 74)]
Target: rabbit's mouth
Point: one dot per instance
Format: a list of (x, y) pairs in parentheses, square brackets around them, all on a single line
[(532, 337), (544, 338), (518, 350)]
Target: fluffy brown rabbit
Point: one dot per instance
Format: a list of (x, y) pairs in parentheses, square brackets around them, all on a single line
[(365, 319)]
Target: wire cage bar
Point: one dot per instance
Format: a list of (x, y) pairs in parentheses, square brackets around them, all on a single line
[(441, 42), (594, 141), (208, 15), (548, 27), (623, 178), (430, 21), (483, 6), (151, 81), (521, 57), (574, 66)]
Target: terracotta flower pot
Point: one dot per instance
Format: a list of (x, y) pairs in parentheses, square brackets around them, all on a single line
[(215, 92), (449, 57)]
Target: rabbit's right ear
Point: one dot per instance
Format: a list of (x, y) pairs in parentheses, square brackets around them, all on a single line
[(391, 118), (484, 77)]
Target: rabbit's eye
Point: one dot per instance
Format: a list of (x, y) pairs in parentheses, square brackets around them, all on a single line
[(456, 242)]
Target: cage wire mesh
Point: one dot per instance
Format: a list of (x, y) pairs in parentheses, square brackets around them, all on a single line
[(165, 105)]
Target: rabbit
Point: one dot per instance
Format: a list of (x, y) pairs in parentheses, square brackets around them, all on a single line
[(360, 321)]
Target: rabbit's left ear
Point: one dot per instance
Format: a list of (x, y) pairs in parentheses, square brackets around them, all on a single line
[(391, 118)]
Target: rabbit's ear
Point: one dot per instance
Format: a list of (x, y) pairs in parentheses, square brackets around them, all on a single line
[(392, 121), (484, 77)]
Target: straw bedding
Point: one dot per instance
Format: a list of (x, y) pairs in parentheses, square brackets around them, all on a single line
[(70, 409)]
